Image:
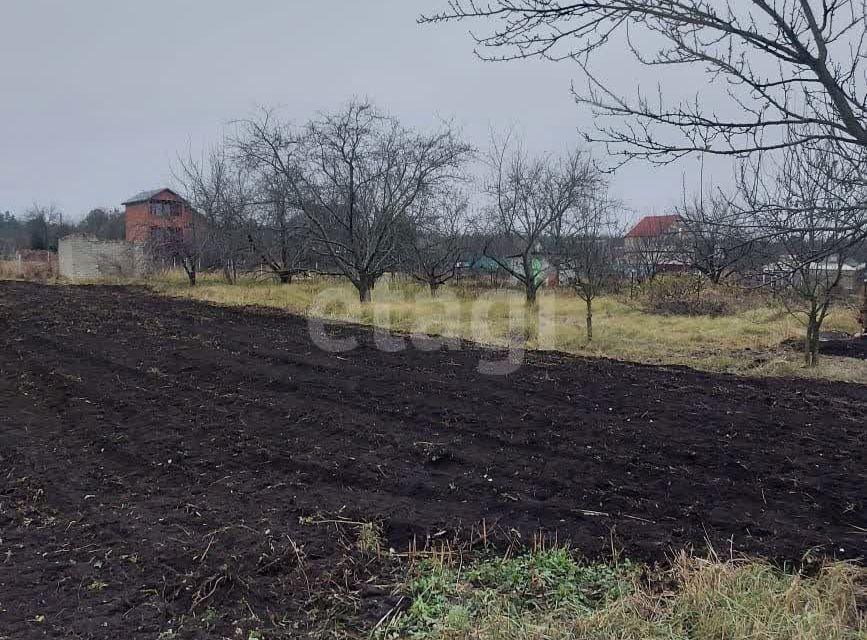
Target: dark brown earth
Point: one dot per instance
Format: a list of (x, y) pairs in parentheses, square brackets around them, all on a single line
[(834, 344), (849, 348), (173, 465)]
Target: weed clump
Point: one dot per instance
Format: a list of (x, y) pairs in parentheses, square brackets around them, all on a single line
[(552, 595), (448, 599)]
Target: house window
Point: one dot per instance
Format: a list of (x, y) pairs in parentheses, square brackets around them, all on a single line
[(165, 208)]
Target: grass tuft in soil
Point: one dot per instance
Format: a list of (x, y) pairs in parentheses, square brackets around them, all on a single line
[(552, 594), (447, 597)]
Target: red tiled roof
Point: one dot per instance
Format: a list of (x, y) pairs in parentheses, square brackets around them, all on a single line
[(650, 226)]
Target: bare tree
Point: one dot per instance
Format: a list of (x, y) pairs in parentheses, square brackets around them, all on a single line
[(220, 190), (356, 176), (806, 203), (104, 224), (530, 197), (12, 234), (651, 254), (280, 237), (794, 68), (437, 241), (45, 225), (716, 240), (185, 246), (586, 250), (8, 246)]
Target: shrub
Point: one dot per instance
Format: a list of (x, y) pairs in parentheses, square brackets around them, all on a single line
[(690, 307), (683, 295)]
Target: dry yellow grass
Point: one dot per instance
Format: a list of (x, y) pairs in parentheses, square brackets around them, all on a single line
[(15, 270), (738, 600), (747, 342), (550, 594)]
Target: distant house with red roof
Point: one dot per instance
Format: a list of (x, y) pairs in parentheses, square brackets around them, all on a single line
[(659, 228), (652, 246)]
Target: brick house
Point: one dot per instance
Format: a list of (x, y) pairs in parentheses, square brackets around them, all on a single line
[(157, 209), (653, 246), (660, 230)]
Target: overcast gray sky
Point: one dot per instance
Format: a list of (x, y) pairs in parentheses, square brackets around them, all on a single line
[(99, 96)]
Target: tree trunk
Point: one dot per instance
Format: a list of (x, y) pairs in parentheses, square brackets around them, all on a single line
[(285, 278), (811, 346), (189, 267), (434, 289), (589, 319), (364, 285), (864, 310), (531, 293), (229, 272)]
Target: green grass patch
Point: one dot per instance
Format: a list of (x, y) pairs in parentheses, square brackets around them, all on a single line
[(550, 594), (447, 599)]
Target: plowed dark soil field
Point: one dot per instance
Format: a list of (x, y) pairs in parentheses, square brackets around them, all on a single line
[(165, 460)]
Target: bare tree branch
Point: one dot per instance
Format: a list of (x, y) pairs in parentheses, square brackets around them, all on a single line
[(793, 69)]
